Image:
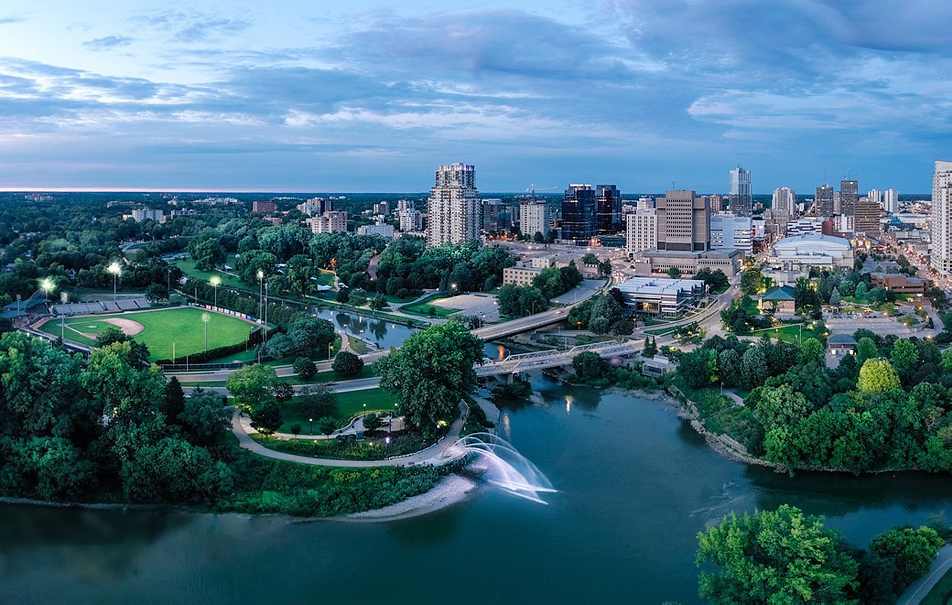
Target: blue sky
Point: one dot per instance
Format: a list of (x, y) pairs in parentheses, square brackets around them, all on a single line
[(372, 96)]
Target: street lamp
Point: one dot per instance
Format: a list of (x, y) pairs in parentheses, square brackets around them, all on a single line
[(215, 282), (205, 318), (115, 270), (310, 426)]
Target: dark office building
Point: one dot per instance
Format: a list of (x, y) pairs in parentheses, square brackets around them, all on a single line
[(824, 201), (849, 195), (579, 213), (608, 209)]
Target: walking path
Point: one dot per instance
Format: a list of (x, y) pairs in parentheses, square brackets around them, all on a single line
[(921, 587), (435, 454)]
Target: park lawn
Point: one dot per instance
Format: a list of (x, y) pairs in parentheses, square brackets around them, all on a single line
[(425, 309), (182, 326), (348, 405), (326, 278), (188, 268), (941, 593), (791, 333)]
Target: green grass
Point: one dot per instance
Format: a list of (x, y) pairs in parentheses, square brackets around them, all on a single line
[(326, 278), (941, 593), (791, 333), (425, 309), (348, 405), (188, 268), (181, 325), (358, 346)]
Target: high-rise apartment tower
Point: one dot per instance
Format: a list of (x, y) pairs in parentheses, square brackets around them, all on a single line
[(454, 208)]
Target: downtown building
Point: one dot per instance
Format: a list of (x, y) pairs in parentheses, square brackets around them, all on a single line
[(849, 195), (684, 222), (824, 201), (454, 208), (785, 200), (940, 257), (534, 217), (741, 197), (641, 229), (607, 209), (332, 221), (579, 213), (731, 232), (891, 201), (866, 217)]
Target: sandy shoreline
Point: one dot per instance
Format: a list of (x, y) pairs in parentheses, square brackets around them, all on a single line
[(450, 490)]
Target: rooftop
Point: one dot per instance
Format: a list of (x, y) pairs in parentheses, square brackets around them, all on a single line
[(780, 293)]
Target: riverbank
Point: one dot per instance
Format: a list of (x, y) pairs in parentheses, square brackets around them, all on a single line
[(451, 490)]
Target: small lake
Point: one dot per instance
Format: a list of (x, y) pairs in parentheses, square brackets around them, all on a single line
[(636, 485)]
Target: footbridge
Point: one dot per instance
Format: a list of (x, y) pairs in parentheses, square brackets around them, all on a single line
[(540, 360)]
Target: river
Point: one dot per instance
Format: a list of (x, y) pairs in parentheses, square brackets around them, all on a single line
[(636, 485)]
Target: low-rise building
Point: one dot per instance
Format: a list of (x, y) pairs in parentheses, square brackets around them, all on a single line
[(263, 207), (781, 300), (334, 221), (841, 344), (657, 296), (382, 229), (800, 252), (900, 283), (661, 261), (519, 276)]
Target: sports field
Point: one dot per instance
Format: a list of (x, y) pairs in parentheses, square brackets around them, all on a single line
[(158, 329)]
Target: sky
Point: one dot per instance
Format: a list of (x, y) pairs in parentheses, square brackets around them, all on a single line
[(364, 96)]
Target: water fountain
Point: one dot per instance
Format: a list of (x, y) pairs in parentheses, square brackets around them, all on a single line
[(504, 466)]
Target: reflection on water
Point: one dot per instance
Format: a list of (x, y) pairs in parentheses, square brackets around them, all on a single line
[(384, 334), (97, 545)]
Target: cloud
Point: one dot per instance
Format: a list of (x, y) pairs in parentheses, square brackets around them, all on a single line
[(192, 27), (107, 42), (11, 19)]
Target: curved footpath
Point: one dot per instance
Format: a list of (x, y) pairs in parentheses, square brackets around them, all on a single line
[(435, 454)]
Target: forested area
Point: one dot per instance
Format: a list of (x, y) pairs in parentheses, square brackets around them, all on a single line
[(888, 406)]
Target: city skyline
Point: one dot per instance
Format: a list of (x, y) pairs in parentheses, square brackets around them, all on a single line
[(157, 96)]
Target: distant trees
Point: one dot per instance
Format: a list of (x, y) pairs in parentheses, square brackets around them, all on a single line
[(554, 281), (518, 301)]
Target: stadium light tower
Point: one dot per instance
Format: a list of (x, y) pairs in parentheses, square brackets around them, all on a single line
[(260, 292), (205, 318), (115, 269), (215, 281)]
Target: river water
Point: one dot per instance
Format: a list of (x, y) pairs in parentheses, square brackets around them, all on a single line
[(636, 485)]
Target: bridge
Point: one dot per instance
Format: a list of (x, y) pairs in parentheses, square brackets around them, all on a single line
[(523, 324), (540, 360)]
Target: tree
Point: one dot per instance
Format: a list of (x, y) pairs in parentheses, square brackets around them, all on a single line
[(205, 419), (310, 334), (781, 407), (811, 350), (865, 349), (910, 549), (751, 281), (267, 419), (651, 349), (432, 372), (836, 298), (315, 402), (327, 425), (173, 401), (777, 556), (674, 273), (905, 358), (347, 364), (699, 368), (372, 421), (252, 386), (283, 392), (156, 292), (860, 293), (753, 368), (207, 251), (589, 365), (379, 302), (877, 375), (304, 368), (250, 263)]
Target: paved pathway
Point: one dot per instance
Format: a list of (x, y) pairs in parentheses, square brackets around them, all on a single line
[(435, 454), (921, 587)]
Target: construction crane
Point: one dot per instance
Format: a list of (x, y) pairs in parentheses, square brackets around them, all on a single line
[(531, 189)]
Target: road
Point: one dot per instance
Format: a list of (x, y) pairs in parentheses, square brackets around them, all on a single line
[(347, 386), (435, 454)]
